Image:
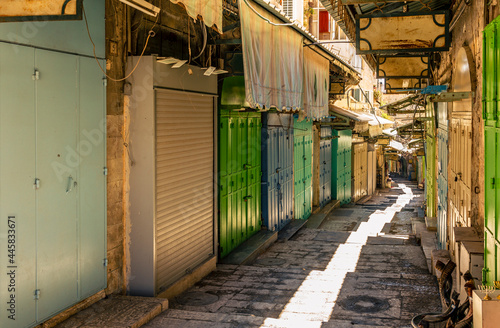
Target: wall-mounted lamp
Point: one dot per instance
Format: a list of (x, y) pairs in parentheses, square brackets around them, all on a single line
[(143, 6)]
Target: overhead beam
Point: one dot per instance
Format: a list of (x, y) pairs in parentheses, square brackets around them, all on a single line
[(361, 2), (451, 96)]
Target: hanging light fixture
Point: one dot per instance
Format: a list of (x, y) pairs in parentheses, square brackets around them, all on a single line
[(143, 6)]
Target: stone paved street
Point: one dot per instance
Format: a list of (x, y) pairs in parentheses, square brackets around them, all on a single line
[(361, 268)]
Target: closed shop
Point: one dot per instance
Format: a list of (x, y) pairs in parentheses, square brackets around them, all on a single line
[(277, 170), (359, 170), (52, 167), (341, 166), (240, 178), (172, 138), (302, 147), (491, 64), (52, 182), (325, 166)]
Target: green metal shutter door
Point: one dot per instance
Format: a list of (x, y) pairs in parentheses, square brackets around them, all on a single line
[(491, 69), (184, 184), (240, 178)]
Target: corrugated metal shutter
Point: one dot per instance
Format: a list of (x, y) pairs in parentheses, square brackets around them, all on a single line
[(184, 183)]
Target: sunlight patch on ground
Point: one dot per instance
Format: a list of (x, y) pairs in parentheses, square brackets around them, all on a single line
[(314, 301)]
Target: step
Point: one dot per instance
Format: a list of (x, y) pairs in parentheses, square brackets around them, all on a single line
[(249, 250), (316, 220), (291, 229), (417, 226), (428, 241), (431, 223), (118, 311)]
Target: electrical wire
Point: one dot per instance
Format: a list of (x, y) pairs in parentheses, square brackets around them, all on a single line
[(205, 37), (151, 33)]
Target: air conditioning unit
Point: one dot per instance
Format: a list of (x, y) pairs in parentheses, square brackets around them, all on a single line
[(277, 3), (294, 9)]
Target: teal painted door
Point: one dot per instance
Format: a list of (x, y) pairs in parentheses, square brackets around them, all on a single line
[(341, 166), (91, 185), (303, 144), (53, 187), (56, 168), (17, 195)]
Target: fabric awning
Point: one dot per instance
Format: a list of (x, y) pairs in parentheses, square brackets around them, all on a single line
[(272, 60), (316, 77), (396, 145), (209, 10), (347, 113), (376, 120)]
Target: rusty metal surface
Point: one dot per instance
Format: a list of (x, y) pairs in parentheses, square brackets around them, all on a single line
[(404, 84), (403, 66), (21, 10), (400, 33)]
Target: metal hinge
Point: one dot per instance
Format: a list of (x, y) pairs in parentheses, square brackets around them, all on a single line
[(492, 183), (105, 262), (105, 171), (36, 185), (105, 81), (36, 294), (36, 75)]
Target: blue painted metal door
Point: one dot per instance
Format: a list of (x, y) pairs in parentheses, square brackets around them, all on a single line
[(442, 209), (277, 170), (325, 171)]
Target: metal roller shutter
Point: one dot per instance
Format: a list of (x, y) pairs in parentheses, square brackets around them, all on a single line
[(184, 183)]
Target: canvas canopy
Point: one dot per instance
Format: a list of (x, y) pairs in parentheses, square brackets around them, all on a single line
[(209, 10)]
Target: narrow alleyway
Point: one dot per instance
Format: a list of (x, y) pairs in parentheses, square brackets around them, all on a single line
[(361, 268)]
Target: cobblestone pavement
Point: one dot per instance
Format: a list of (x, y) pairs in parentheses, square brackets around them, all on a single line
[(361, 268)]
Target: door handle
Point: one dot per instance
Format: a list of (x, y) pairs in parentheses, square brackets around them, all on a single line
[(71, 183)]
